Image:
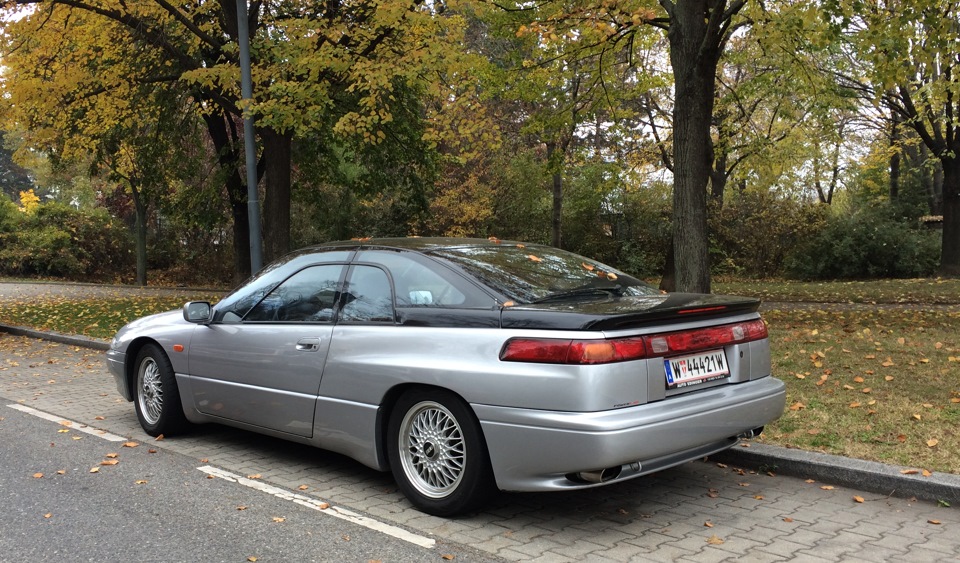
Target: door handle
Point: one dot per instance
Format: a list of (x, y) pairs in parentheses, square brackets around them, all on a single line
[(308, 344)]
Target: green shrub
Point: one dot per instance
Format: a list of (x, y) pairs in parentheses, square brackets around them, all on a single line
[(754, 232), (58, 240), (873, 242)]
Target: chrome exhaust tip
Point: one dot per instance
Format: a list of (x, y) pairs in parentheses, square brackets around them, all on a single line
[(600, 475), (750, 434)]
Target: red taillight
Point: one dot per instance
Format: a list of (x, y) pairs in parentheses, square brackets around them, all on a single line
[(706, 338), (580, 352), (606, 351), (541, 351), (552, 351)]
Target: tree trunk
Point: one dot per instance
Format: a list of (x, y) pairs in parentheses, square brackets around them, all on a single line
[(936, 191), (140, 228), (895, 157), (556, 219), (694, 55), (950, 251), (718, 180), (669, 280), (276, 200), (229, 158)]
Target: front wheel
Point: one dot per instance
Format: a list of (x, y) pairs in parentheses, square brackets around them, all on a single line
[(157, 398), (437, 453)]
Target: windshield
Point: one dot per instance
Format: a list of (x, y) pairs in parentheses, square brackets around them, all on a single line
[(534, 273)]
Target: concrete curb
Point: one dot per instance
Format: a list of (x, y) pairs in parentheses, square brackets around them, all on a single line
[(71, 339), (143, 288), (846, 472), (858, 474)]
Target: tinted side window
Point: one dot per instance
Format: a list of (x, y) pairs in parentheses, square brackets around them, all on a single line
[(234, 306), (422, 282), (307, 296), (367, 296)]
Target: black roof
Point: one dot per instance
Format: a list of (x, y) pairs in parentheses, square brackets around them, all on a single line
[(420, 244)]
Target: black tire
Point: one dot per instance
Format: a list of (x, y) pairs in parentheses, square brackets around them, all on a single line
[(437, 453), (156, 396)]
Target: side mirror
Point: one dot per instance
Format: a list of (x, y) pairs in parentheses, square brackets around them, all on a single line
[(197, 312)]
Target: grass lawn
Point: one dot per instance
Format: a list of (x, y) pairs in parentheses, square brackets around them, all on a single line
[(878, 383)]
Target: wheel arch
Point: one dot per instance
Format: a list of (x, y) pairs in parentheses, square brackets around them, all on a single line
[(389, 402), (130, 362)]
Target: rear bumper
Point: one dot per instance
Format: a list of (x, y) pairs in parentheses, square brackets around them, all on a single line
[(535, 450)]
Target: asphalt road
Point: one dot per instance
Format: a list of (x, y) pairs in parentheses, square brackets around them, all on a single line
[(60, 502)]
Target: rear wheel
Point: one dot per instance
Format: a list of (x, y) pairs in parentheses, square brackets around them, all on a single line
[(157, 397), (437, 453)]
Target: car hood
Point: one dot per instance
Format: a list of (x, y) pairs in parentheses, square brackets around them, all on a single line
[(151, 323), (616, 313)]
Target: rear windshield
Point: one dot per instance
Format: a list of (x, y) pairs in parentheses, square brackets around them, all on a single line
[(533, 273)]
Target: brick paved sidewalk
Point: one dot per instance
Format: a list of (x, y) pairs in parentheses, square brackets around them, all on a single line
[(701, 511)]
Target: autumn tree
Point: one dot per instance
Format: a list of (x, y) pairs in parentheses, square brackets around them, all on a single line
[(316, 64), (904, 55), (697, 32), (13, 177)]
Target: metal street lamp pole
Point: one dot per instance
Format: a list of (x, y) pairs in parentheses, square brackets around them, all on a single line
[(249, 141)]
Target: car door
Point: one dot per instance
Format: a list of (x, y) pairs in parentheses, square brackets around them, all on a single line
[(264, 368)]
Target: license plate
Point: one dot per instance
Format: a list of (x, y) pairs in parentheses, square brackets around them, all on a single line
[(684, 371)]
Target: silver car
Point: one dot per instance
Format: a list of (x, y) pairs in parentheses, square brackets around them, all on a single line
[(461, 365)]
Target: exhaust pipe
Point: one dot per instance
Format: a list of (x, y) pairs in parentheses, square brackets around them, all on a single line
[(600, 475), (750, 434)]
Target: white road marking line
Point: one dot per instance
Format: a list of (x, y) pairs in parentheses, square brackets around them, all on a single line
[(316, 504), (73, 425)]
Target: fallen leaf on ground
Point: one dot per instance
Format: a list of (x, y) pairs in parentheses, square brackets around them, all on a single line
[(714, 540), (858, 499), (38, 475), (130, 444), (827, 487)]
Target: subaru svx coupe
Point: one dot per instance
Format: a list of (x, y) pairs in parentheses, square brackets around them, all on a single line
[(460, 365)]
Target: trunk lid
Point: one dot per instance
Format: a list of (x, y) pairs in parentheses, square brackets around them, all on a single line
[(617, 313)]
